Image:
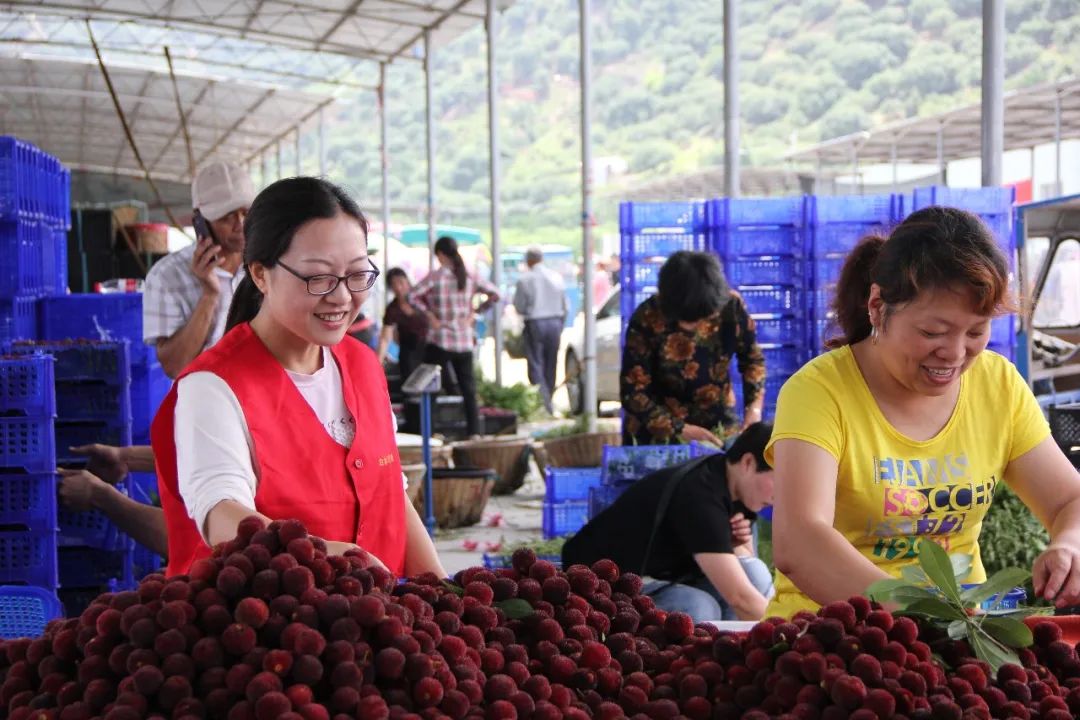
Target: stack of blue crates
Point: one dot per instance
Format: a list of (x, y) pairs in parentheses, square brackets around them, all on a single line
[(34, 217), (763, 245), (837, 224), (784, 256), (92, 405), (117, 317), (566, 499), (28, 512), (649, 233)]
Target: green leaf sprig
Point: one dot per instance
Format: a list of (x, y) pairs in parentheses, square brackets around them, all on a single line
[(930, 590)]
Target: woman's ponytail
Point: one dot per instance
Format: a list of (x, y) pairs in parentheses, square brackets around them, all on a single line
[(850, 304), (447, 246), (247, 299)]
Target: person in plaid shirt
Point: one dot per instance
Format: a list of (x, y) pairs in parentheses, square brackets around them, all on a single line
[(446, 297)]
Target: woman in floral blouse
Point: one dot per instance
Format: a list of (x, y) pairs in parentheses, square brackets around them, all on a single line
[(675, 383)]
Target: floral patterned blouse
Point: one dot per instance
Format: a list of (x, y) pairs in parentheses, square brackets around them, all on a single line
[(671, 377)]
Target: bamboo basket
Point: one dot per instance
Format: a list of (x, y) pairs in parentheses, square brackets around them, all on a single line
[(414, 455), (508, 458), (461, 494), (585, 450), (415, 475)]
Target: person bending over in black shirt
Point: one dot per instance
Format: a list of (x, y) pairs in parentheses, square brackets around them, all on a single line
[(674, 528)]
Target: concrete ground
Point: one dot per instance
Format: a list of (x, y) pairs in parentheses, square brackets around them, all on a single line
[(508, 519)]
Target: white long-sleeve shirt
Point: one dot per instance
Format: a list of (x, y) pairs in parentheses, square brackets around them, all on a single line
[(215, 455)]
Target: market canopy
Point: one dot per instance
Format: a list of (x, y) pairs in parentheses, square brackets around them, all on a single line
[(1036, 115), (64, 107), (250, 73)]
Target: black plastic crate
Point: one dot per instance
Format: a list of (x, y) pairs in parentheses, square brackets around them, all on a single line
[(1065, 424)]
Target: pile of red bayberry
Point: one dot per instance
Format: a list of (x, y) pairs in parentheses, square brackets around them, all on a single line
[(271, 628)]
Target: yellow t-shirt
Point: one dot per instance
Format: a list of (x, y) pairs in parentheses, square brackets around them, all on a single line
[(893, 492)]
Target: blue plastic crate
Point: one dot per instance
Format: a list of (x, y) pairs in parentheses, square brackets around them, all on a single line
[(92, 400), (640, 275), (55, 274), (685, 217), (25, 611), (821, 301), (22, 258), (758, 241), (28, 558), (659, 245), (26, 386), (1001, 226), (623, 464), (91, 529), (73, 433), (18, 319), (83, 567), (783, 300), (16, 181), (144, 561), (779, 330), (570, 483), (564, 518), (757, 211), (765, 271), (85, 360), (862, 209), (783, 360), (822, 330), (601, 498), (826, 271), (981, 201), (1003, 330), (841, 238), (27, 444), (104, 316), (494, 561), (28, 499), (143, 487), (149, 386)]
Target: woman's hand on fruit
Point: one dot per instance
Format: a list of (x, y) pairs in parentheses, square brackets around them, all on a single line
[(336, 547), (1056, 575)]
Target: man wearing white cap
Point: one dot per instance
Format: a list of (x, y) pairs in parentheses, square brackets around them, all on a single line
[(187, 295)]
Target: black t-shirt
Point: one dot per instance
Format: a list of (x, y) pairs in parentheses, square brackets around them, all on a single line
[(697, 520)]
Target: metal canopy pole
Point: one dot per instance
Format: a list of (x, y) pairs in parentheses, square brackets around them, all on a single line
[(731, 99), (941, 153), (322, 142), (384, 161), (493, 171), (585, 22), (993, 98), (296, 152), (277, 159), (262, 169), (892, 158), (429, 120), (1057, 144)]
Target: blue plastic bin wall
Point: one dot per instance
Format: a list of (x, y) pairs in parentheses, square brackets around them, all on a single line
[(784, 255), (28, 503), (34, 215)]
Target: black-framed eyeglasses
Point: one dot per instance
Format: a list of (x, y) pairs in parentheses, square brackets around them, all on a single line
[(324, 284)]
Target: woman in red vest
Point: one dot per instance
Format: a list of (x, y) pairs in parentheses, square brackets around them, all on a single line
[(286, 416)]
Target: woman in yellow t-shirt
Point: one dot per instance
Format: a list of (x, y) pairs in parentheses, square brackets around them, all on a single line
[(902, 432)]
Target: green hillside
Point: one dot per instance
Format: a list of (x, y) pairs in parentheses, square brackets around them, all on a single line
[(810, 70)]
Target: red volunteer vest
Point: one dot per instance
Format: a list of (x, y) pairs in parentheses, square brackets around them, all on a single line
[(345, 494)]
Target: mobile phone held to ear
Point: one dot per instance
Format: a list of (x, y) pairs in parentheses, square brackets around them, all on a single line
[(202, 227)]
